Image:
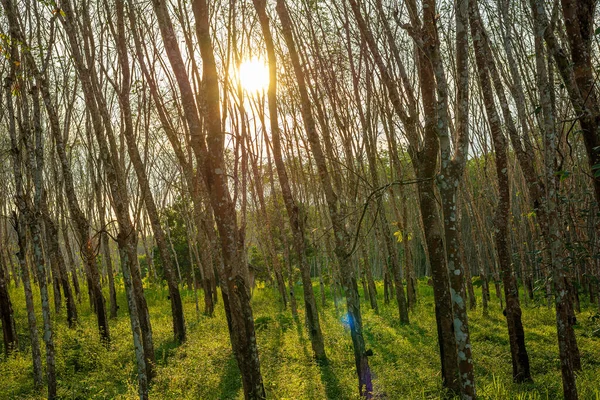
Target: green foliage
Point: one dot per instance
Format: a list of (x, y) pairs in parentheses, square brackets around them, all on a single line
[(173, 220), (405, 361)]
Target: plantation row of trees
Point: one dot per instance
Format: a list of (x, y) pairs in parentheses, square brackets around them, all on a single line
[(454, 139)]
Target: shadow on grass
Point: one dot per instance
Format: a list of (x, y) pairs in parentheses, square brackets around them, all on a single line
[(231, 380), (165, 351), (332, 385), (330, 381)]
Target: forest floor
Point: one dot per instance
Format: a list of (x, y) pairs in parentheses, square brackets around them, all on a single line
[(405, 363)]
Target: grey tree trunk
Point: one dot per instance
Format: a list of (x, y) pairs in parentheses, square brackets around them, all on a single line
[(126, 238), (25, 213), (567, 344)]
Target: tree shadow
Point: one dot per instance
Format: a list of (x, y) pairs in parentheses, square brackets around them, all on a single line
[(231, 380), (165, 351), (333, 389)]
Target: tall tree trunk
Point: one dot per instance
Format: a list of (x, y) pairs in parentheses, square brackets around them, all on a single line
[(424, 155), (293, 211), (209, 155), (79, 219), (126, 238), (452, 168), (567, 344), (19, 225), (520, 358), (56, 257), (342, 239), (35, 149), (140, 170)]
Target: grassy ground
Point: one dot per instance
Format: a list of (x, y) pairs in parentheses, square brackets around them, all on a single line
[(405, 363)]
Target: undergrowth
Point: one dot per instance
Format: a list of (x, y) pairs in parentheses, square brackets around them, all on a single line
[(405, 362)]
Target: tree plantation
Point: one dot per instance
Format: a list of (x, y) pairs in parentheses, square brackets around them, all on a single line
[(303, 199)]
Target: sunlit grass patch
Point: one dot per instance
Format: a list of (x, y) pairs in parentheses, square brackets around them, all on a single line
[(405, 362)]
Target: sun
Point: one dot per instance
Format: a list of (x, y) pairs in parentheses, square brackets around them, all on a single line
[(254, 75)]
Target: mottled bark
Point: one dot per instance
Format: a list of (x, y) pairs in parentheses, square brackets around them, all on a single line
[(567, 344), (208, 150), (125, 252), (580, 28), (35, 150), (126, 238), (452, 168), (19, 225), (22, 201), (424, 155)]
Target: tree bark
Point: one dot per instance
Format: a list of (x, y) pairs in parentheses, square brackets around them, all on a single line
[(519, 356), (9, 330), (140, 170), (424, 155), (293, 211), (342, 239)]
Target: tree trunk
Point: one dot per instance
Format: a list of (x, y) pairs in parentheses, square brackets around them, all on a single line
[(9, 330), (140, 170), (56, 257), (520, 358), (293, 211), (567, 345), (209, 155), (342, 239), (126, 238), (424, 155)]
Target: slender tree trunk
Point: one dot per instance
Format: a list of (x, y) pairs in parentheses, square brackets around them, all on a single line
[(140, 170), (452, 168), (126, 238), (342, 239), (19, 225), (104, 243), (21, 220), (56, 257), (520, 358), (35, 148), (566, 338), (424, 155), (209, 152), (293, 211)]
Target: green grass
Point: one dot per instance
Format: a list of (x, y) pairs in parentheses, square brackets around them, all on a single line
[(405, 363)]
